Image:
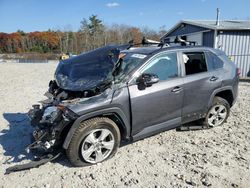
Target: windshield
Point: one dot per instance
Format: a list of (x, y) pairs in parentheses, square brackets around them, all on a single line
[(130, 62)]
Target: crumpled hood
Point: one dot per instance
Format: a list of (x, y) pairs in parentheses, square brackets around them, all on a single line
[(88, 70)]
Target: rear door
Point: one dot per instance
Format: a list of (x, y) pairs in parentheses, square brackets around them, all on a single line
[(199, 83), (157, 107)]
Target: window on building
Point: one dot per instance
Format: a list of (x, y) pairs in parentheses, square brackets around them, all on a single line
[(195, 62)]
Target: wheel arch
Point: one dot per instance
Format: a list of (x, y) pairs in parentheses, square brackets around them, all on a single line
[(114, 113), (225, 93)]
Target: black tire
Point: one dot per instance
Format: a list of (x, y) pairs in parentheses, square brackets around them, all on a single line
[(73, 152), (217, 101)]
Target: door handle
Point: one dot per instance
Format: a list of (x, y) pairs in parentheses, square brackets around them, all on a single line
[(213, 78), (176, 89)]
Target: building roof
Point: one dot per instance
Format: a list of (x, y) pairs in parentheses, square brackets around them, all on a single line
[(211, 24), (223, 24)]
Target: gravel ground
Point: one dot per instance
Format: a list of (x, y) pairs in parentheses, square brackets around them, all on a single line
[(218, 157)]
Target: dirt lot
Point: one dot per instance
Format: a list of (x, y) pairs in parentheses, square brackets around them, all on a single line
[(217, 157)]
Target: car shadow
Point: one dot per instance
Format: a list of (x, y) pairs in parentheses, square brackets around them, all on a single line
[(17, 137)]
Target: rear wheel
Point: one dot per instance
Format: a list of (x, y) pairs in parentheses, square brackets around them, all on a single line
[(218, 112), (94, 141)]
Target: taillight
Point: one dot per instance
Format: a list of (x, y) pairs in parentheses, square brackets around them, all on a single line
[(238, 71)]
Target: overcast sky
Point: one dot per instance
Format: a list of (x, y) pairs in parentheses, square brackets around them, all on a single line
[(40, 15)]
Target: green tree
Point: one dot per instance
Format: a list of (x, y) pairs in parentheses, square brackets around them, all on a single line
[(95, 26), (93, 29)]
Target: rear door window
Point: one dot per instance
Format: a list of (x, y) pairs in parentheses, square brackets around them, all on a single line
[(195, 62)]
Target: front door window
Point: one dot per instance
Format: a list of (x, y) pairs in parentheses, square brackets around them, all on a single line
[(164, 66)]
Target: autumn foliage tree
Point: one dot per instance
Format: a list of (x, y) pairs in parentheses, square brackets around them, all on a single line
[(92, 34), (136, 35), (43, 41)]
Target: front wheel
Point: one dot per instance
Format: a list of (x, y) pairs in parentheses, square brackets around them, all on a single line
[(94, 141), (218, 113)]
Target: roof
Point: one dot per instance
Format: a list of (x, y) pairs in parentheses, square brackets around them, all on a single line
[(211, 24), (152, 49), (143, 50)]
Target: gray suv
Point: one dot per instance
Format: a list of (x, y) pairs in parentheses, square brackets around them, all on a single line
[(116, 95)]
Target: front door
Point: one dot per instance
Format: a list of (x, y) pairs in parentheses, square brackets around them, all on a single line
[(159, 106)]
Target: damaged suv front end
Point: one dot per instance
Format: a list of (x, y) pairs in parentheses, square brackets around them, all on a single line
[(49, 123), (82, 84), (78, 80)]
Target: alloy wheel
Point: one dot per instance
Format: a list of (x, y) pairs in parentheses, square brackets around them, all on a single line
[(97, 145), (217, 115)]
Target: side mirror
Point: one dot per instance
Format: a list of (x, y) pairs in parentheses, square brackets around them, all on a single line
[(147, 80)]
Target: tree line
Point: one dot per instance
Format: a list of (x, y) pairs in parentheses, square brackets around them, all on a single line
[(92, 34)]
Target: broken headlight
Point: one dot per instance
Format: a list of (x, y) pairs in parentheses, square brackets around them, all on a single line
[(51, 114)]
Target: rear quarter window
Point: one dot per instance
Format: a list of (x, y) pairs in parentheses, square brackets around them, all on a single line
[(214, 62)]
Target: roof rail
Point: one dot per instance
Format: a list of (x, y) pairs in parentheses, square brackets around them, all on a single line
[(178, 40), (183, 42), (144, 42)]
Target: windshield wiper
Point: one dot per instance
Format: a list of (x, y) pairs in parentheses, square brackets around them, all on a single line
[(103, 86)]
